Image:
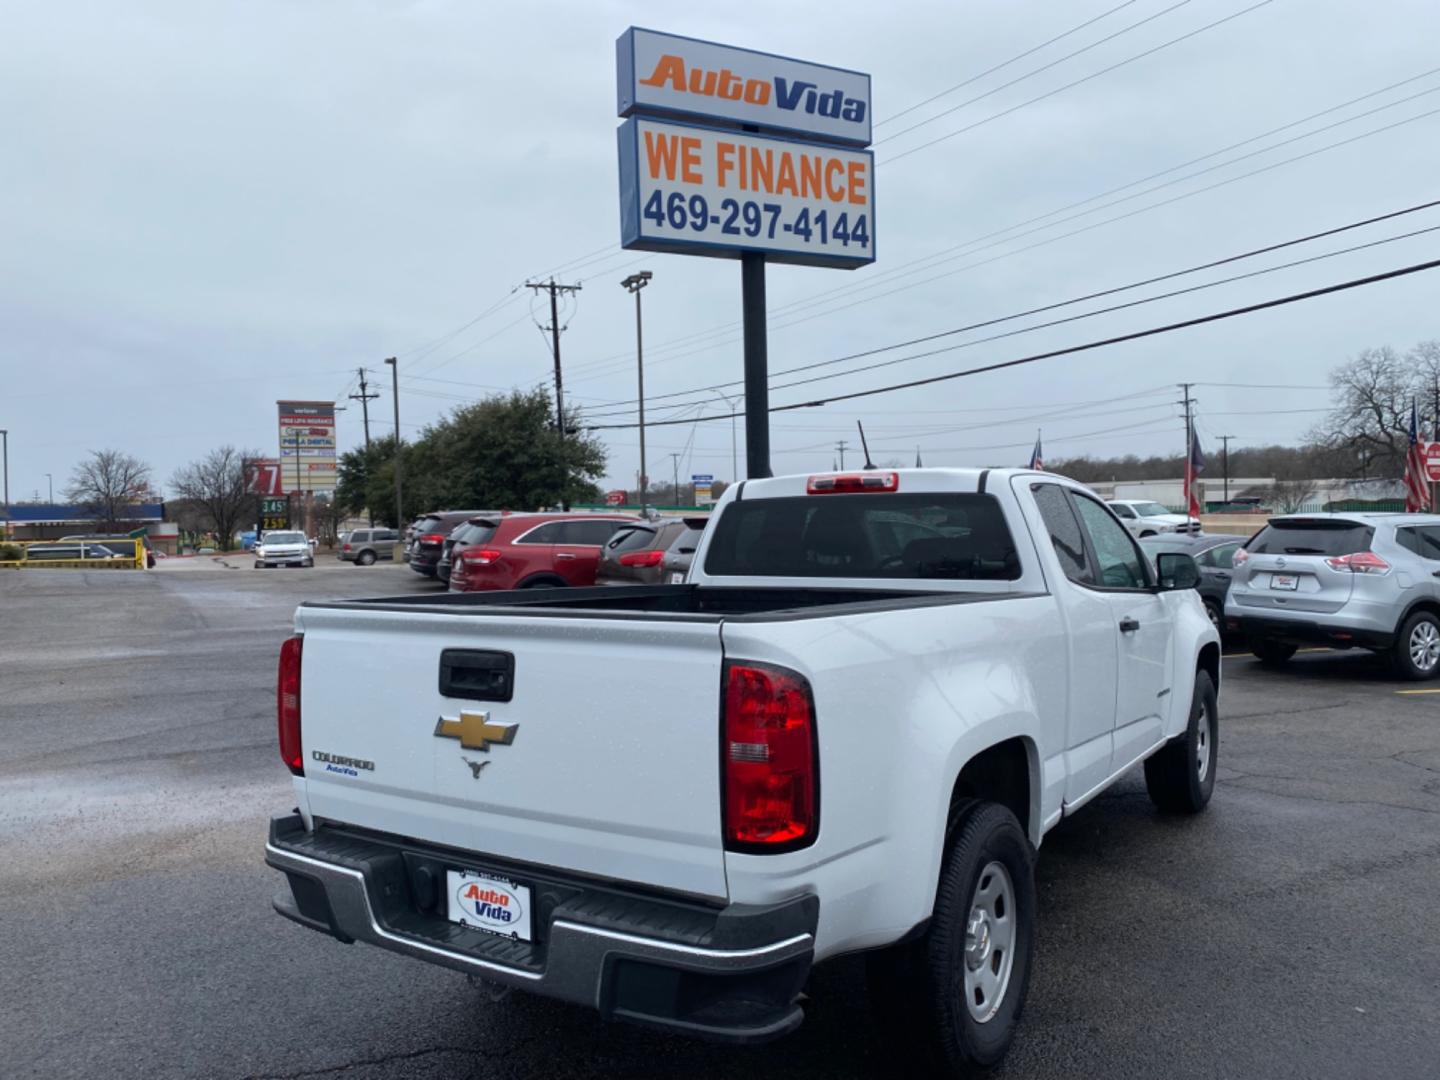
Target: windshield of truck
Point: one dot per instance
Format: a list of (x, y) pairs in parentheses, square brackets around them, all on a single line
[(1302, 536), (1149, 509), (892, 535), (284, 538)]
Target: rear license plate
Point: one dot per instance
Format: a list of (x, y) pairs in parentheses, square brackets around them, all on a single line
[(496, 905), (1284, 581)]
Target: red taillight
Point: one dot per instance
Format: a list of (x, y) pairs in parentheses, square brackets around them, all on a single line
[(1362, 562), (851, 483), (287, 705), (1241, 558), (642, 558), (480, 556), (344, 547), (768, 758), (432, 538)]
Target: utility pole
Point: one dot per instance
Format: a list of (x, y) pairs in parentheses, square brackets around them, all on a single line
[(840, 446), (634, 283), (734, 457), (395, 394), (1225, 453), (5, 452), (555, 290), (365, 398), (675, 476), (1188, 402)]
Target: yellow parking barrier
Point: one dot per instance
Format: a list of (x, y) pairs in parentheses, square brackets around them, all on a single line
[(132, 561)]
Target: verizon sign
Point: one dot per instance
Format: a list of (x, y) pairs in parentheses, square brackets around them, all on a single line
[(680, 77)]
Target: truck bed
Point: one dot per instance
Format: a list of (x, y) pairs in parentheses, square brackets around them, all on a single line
[(687, 603)]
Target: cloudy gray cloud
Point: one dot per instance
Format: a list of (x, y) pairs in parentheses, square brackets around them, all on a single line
[(209, 206)]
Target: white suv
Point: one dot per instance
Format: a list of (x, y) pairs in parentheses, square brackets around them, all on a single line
[(1145, 518)]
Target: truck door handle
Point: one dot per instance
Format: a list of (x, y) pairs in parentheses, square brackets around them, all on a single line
[(1129, 625)]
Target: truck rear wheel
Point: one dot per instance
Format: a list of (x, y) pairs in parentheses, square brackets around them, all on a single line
[(956, 993), (1181, 777)]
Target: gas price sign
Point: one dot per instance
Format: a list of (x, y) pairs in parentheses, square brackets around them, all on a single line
[(706, 191)]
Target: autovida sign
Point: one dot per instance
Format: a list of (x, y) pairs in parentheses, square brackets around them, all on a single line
[(727, 150)]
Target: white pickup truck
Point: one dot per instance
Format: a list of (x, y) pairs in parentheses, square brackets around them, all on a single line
[(848, 731)]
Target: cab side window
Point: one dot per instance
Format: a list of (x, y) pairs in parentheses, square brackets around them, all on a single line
[(1121, 565), (1064, 531)]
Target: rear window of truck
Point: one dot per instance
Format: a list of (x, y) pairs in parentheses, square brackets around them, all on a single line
[(1311, 537), (895, 536)]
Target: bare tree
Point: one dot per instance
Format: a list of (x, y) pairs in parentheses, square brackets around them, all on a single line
[(107, 482), (1290, 496), (216, 486), (1371, 417)]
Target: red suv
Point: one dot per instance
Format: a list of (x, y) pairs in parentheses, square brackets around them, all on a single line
[(525, 551)]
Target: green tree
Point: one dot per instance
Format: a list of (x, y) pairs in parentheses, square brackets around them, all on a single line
[(500, 453)]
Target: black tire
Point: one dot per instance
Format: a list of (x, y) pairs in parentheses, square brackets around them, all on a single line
[(365, 558), (258, 564), (542, 583), (919, 991), (1181, 777), (1274, 653), (1217, 615), (1414, 655)]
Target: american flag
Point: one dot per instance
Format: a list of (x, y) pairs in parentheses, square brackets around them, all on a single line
[(1037, 456), (1417, 490), (1194, 466)]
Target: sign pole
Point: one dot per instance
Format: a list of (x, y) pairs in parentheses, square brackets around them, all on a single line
[(757, 365)]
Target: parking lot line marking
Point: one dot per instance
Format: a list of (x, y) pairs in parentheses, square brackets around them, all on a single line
[(1417, 691)]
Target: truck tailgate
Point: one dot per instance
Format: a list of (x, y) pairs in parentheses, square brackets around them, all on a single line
[(611, 766)]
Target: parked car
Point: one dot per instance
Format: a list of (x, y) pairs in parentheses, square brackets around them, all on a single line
[(634, 555), (72, 549), (283, 547), (670, 806), (428, 542), (522, 551), (364, 546), (1345, 580), (476, 530), (1144, 518), (676, 565), (1215, 555), (122, 545)]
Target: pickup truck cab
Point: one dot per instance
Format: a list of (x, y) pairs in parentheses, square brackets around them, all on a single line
[(849, 730)]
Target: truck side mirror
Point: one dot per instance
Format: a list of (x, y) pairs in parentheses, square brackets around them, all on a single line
[(1177, 570)]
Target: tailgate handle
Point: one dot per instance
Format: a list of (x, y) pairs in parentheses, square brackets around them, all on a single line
[(477, 674)]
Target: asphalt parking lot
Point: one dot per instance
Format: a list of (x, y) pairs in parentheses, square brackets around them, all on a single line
[(1291, 931)]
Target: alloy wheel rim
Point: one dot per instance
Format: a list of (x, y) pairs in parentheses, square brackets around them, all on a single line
[(990, 942), (1202, 744), (1425, 646)]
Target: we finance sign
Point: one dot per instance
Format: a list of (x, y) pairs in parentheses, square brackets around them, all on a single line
[(705, 191), (665, 75)]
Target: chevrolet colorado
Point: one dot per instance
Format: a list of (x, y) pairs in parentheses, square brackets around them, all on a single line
[(848, 731)]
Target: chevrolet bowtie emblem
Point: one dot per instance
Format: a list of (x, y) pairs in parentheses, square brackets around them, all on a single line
[(475, 731)]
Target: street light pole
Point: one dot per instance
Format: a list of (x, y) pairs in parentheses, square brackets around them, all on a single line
[(734, 457), (634, 283), (395, 394)]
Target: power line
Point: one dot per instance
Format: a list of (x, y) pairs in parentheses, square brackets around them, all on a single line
[(1212, 264), (1004, 64), (1201, 320), (1031, 74), (1071, 85)]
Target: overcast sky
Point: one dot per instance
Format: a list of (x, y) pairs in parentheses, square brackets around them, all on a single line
[(208, 206)]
